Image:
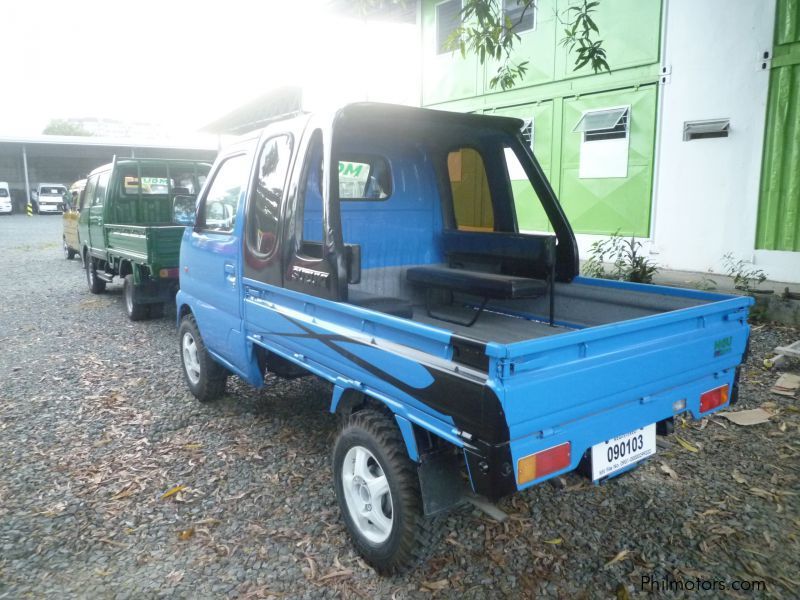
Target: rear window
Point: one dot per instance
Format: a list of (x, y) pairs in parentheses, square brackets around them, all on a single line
[(53, 191), (157, 180), (469, 186), (364, 178), (3, 193)]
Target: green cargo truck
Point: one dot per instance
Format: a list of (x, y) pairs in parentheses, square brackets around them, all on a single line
[(126, 230)]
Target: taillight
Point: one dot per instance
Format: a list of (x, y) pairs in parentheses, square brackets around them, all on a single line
[(168, 273), (544, 462), (713, 398)]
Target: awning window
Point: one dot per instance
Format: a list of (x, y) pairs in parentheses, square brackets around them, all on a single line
[(601, 120), (712, 128)]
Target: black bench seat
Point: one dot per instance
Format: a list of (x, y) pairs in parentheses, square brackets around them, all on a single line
[(486, 285)]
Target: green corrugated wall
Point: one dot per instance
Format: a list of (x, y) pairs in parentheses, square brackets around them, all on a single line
[(779, 202)]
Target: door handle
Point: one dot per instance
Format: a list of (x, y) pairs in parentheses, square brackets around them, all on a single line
[(230, 273)]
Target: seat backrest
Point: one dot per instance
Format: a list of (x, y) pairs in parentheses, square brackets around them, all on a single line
[(520, 254)]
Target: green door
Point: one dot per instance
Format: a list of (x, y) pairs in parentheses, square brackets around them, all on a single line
[(606, 181)]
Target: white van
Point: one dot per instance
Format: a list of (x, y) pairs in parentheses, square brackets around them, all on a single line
[(49, 198), (6, 207)]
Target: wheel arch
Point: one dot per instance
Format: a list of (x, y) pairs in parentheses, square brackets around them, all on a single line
[(419, 441)]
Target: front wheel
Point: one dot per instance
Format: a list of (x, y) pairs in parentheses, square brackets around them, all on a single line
[(378, 492), (205, 376), (96, 285), (136, 311)]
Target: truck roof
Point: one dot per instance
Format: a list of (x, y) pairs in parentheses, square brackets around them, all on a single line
[(401, 116), (124, 161)]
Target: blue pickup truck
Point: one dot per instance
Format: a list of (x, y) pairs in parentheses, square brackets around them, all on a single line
[(378, 248)]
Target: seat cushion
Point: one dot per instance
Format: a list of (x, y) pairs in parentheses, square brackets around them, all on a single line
[(487, 285), (385, 304)]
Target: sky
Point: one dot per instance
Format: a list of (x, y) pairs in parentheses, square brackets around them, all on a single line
[(184, 64)]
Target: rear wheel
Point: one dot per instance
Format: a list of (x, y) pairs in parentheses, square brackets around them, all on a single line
[(136, 311), (378, 492), (205, 376), (69, 253), (96, 285)]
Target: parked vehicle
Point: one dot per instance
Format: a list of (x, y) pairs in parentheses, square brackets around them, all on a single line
[(380, 251), (49, 198), (6, 205), (72, 208), (125, 228)]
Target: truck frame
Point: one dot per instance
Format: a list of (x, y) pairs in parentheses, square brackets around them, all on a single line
[(378, 248)]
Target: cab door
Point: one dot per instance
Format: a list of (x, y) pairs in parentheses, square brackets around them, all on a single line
[(211, 257), (96, 216)]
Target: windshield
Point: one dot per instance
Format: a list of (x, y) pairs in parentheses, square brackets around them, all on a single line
[(3, 193), (53, 191)]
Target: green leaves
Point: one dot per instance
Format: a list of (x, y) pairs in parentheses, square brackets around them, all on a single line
[(578, 37), (489, 34)]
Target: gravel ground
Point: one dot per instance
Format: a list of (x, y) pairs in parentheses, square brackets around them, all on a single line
[(96, 426)]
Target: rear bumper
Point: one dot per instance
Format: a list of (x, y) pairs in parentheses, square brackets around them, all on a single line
[(49, 208), (615, 420), (494, 468)]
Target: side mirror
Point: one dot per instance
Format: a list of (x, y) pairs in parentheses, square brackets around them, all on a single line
[(183, 209)]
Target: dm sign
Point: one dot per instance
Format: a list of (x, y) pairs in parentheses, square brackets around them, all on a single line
[(723, 346)]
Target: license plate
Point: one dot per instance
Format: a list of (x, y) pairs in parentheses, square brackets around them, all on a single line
[(623, 451)]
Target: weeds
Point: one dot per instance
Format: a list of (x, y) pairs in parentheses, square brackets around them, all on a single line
[(625, 257), (742, 273)]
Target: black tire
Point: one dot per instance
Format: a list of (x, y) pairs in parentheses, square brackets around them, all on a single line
[(69, 253), (96, 285), (412, 535), (136, 311), (207, 380), (156, 310)]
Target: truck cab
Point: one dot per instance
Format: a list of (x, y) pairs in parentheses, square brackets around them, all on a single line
[(380, 249), (6, 205), (49, 198)]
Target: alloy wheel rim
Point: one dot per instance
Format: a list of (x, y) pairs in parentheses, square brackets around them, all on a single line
[(367, 494), (191, 363)]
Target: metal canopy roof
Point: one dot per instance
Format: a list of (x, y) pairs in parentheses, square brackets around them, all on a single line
[(81, 140), (398, 11), (257, 113)]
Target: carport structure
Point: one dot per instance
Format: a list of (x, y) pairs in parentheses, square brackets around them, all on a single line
[(28, 161)]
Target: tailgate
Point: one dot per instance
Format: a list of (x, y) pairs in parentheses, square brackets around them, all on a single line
[(594, 384), (158, 246)]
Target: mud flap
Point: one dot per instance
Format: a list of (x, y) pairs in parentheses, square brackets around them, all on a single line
[(441, 482)]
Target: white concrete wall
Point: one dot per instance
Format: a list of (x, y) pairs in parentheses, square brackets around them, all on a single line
[(705, 199)]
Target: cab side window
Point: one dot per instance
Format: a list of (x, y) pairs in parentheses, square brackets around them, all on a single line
[(222, 199), (88, 193), (99, 195), (265, 210)]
